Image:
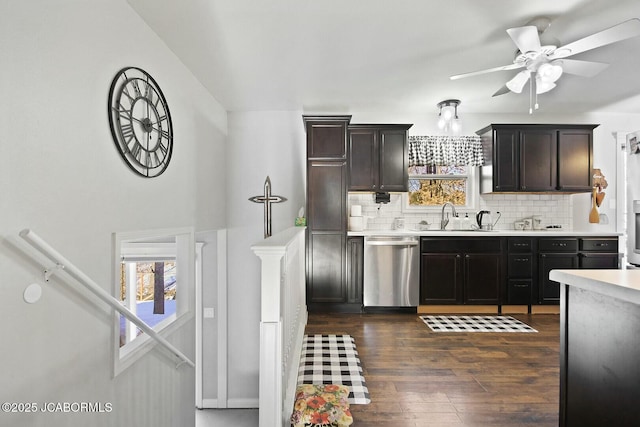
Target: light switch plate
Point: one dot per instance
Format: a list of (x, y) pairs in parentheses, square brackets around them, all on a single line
[(209, 313)]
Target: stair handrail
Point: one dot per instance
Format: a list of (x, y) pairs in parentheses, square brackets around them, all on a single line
[(67, 266)]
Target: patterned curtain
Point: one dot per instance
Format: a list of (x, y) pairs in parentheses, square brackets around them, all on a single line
[(445, 151)]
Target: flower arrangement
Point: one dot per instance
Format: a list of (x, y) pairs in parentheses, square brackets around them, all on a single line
[(319, 405)]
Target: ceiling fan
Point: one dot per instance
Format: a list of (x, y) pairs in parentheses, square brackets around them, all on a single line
[(544, 63)]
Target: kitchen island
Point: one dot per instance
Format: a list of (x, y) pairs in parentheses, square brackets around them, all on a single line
[(599, 347)]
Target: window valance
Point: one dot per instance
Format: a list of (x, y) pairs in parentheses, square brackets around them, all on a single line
[(445, 150)]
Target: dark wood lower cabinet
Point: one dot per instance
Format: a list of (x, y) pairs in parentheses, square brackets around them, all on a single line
[(483, 276), (325, 281), (507, 270), (441, 281), (461, 271), (549, 290)]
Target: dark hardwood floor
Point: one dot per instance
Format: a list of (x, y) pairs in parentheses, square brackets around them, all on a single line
[(420, 378)]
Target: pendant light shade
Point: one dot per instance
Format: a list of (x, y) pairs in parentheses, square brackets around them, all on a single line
[(517, 83), (448, 119), (549, 72)]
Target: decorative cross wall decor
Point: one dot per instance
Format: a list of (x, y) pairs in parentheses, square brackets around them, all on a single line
[(267, 199)]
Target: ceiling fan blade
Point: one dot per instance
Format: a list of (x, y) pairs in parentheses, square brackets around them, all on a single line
[(526, 38), (504, 89), (623, 31), (582, 68), (489, 70)]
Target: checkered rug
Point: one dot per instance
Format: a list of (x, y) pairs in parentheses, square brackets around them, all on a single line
[(475, 324), (333, 359)]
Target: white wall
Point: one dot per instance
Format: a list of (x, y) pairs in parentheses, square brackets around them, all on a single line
[(259, 144), (61, 175)]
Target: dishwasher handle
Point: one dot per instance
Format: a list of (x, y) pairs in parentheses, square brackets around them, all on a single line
[(392, 242)]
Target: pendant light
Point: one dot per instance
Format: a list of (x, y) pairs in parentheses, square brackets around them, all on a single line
[(448, 120)]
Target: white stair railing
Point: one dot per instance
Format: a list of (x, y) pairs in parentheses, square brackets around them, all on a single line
[(63, 264), (283, 317)]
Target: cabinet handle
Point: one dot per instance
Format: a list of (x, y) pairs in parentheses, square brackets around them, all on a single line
[(521, 259), (520, 244), (601, 244), (524, 187), (562, 245), (520, 285)]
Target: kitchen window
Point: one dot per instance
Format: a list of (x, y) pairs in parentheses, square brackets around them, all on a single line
[(443, 169), (432, 186)]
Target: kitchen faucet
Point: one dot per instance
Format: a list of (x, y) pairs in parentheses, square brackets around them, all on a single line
[(443, 221)]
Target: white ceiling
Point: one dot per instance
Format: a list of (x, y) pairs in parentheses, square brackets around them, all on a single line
[(388, 55)]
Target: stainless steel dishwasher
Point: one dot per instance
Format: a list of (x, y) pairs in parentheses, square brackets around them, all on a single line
[(391, 271)]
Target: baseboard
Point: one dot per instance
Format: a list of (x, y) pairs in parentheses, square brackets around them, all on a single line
[(209, 404), (545, 309), (515, 309), (458, 309), (487, 309)]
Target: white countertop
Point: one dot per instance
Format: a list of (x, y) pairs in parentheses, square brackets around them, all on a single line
[(620, 284), (477, 233)]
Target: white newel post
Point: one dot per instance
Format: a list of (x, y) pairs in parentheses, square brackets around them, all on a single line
[(282, 319)]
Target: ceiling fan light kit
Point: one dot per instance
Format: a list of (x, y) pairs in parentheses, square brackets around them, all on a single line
[(448, 120), (545, 64)]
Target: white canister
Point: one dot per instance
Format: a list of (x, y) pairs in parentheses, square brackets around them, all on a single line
[(528, 223), (356, 223), (356, 210)]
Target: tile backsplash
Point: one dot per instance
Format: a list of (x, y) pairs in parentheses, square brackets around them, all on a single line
[(555, 209)]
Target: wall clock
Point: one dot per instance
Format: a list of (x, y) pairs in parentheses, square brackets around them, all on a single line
[(140, 122)]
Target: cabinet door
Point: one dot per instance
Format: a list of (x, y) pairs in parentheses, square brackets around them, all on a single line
[(538, 160), (505, 161), (441, 279), (575, 160), (482, 278), (327, 195), (355, 252), (363, 160), (326, 140), (326, 269), (394, 159), (549, 290)]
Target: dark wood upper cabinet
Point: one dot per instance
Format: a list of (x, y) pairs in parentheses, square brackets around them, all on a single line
[(326, 136), (537, 158), (378, 157), (574, 150)]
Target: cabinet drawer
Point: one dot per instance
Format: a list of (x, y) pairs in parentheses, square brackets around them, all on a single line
[(558, 245), (599, 245), (519, 292), (599, 261), (520, 265), (520, 245), (467, 245)]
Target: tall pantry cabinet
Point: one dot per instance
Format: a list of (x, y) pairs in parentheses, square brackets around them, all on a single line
[(326, 210)]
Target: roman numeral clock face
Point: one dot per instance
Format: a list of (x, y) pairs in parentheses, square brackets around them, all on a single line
[(140, 122)]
